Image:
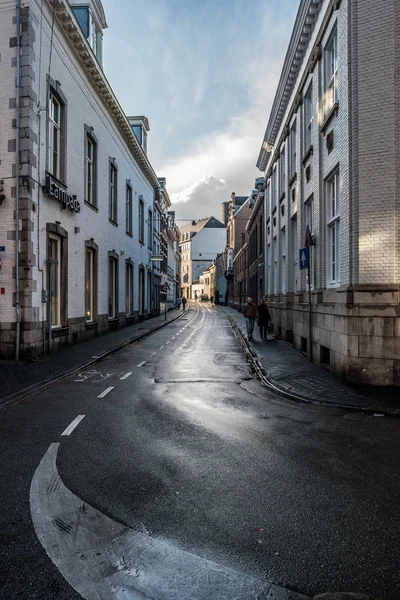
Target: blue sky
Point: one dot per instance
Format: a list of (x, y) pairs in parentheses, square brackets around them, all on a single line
[(204, 72)]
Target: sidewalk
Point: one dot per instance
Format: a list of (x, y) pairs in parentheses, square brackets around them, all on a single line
[(17, 378), (290, 373)]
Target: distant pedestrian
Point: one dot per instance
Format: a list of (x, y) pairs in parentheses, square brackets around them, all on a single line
[(178, 303), (184, 303), (263, 319), (212, 299), (250, 314)]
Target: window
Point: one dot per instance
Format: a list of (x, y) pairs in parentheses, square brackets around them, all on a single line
[(268, 198), (90, 284), (294, 250), (309, 208), (141, 220), (283, 260), (129, 212), (150, 229), (293, 143), (129, 289), (112, 287), (275, 266), (90, 30), (90, 166), (273, 188), (308, 118), (333, 232), (54, 158), (282, 172), (113, 176), (331, 71), (55, 280)]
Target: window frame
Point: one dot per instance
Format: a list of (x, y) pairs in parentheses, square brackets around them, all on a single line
[(332, 184), (129, 208), (293, 148), (331, 70), (129, 288), (113, 191), (309, 220), (92, 139), (282, 172), (308, 117), (55, 94), (150, 236), (55, 265), (91, 281), (113, 285), (141, 220)]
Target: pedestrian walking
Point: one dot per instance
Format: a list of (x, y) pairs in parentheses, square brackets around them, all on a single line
[(184, 303), (263, 319), (250, 314), (178, 303)]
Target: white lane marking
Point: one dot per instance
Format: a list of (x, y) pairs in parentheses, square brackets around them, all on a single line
[(141, 364), (172, 337), (106, 391), (72, 426), (161, 347), (154, 353), (166, 342), (126, 375)]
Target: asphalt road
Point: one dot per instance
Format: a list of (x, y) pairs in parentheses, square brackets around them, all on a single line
[(188, 448)]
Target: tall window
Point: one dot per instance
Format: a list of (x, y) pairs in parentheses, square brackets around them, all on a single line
[(112, 287), (308, 118), (275, 266), (273, 188), (141, 221), (129, 289), (113, 206), (331, 71), (268, 198), (282, 172), (293, 149), (333, 233), (90, 167), (54, 137), (283, 260), (55, 280), (309, 208), (129, 212), (90, 284), (294, 251), (150, 229)]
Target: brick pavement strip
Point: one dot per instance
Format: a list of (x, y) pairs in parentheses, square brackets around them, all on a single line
[(26, 378), (287, 372)]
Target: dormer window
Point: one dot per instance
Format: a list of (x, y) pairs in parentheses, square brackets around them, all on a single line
[(91, 26)]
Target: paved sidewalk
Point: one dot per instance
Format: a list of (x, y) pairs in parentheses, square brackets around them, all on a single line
[(18, 378), (292, 374)]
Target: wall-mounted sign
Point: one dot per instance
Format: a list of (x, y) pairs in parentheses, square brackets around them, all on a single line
[(54, 189), (2, 248)]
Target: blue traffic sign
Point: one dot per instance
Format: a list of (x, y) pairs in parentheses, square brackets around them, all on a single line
[(2, 248), (304, 258)]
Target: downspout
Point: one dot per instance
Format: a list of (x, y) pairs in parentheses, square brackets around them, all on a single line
[(17, 148)]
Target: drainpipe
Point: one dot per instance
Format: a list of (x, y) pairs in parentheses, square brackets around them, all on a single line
[(17, 145)]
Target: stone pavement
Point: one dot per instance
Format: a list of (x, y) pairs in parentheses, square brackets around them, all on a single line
[(292, 374), (18, 378)]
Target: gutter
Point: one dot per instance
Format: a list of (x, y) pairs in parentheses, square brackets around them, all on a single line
[(17, 168)]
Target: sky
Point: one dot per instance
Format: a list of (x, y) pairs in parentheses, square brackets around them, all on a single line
[(205, 73)]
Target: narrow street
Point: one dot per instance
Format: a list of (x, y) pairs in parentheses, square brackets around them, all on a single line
[(177, 441)]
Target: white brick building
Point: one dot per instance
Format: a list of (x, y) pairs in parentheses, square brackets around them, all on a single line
[(85, 190), (331, 162)]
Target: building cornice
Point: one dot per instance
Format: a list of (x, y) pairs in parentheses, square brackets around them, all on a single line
[(70, 28), (299, 41)]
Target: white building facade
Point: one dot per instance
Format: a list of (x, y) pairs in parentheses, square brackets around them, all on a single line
[(332, 167), (85, 188)]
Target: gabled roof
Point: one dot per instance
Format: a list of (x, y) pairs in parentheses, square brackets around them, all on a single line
[(207, 223)]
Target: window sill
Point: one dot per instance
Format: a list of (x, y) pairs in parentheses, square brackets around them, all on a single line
[(60, 181), (308, 154), (91, 324), (113, 222), (332, 113), (113, 319), (92, 206), (141, 243), (282, 197), (274, 210), (293, 178), (129, 234), (59, 331)]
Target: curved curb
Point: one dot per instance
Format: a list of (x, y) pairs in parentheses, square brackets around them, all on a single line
[(271, 384), (36, 388)]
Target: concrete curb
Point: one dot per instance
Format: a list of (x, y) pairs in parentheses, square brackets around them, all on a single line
[(271, 384), (35, 388)]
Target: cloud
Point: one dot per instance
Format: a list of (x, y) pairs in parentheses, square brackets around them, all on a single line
[(202, 198)]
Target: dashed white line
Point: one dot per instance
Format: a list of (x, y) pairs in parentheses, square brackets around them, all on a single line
[(154, 353), (161, 347), (141, 364), (106, 391), (72, 426), (166, 342), (126, 375)]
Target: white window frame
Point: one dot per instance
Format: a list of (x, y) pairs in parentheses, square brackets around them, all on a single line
[(129, 289), (90, 284), (332, 191), (90, 170), (294, 250), (308, 118), (283, 260), (112, 287), (55, 291), (282, 172), (129, 210), (141, 221), (273, 188), (54, 137), (113, 215), (331, 71), (293, 148)]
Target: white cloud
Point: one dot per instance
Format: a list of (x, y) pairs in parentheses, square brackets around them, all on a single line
[(201, 199)]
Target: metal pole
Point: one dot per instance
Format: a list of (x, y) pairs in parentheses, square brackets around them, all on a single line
[(17, 167)]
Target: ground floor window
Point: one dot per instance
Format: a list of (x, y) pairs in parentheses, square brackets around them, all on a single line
[(141, 290), (91, 281), (129, 289), (55, 287), (149, 290), (112, 287)]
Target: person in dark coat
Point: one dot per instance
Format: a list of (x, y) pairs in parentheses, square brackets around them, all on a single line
[(263, 319)]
